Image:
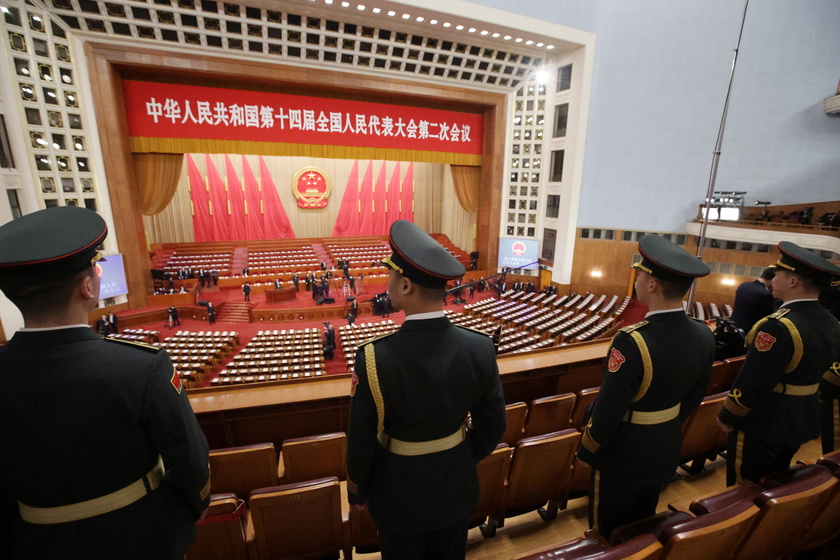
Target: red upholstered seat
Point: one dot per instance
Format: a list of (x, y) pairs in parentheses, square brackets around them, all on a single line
[(643, 547), (549, 414), (492, 473), (242, 469)]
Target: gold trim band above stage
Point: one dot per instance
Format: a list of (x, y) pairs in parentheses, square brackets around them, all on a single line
[(212, 146)]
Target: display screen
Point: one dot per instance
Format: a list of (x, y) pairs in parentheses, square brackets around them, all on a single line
[(112, 277), (518, 253)]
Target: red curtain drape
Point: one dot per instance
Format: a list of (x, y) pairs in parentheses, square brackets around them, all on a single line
[(276, 222), (393, 199), (253, 203), (238, 228), (345, 222), (407, 195), (379, 207), (202, 228), (365, 226), (219, 212)]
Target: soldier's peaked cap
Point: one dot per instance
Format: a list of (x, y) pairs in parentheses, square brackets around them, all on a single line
[(802, 261), (51, 243), (417, 256), (662, 259)]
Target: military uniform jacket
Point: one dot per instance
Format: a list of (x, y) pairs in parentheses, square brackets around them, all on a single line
[(654, 365), (431, 374), (83, 417), (795, 346)]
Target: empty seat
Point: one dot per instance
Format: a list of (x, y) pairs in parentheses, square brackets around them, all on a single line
[(539, 475), (701, 434), (492, 472), (242, 469), (515, 415), (584, 399), (711, 536), (300, 520), (221, 534), (792, 499), (723, 374), (312, 457), (549, 414)]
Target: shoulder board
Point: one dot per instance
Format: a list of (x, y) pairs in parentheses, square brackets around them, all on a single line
[(482, 333), (780, 313), (374, 339), (138, 345), (754, 331), (632, 328)]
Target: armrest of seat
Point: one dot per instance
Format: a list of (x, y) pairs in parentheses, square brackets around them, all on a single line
[(653, 525), (251, 537), (596, 535), (716, 502), (281, 468)]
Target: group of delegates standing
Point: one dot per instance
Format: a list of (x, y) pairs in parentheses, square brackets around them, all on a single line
[(107, 325)]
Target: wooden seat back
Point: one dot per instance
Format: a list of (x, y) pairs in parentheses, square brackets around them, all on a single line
[(221, 534), (515, 414), (700, 432), (584, 398), (711, 536), (492, 472), (299, 520), (549, 414), (312, 457), (723, 374), (540, 470), (242, 469), (786, 509)]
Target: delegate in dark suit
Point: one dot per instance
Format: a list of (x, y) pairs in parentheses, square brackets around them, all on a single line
[(656, 375), (753, 302), (95, 421), (773, 405)]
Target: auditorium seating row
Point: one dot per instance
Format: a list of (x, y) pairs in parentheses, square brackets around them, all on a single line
[(196, 354), (563, 319), (710, 311), (140, 335), (788, 513), (209, 261), (275, 356), (350, 337), (470, 322)]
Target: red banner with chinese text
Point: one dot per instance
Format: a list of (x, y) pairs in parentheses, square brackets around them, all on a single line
[(207, 114)]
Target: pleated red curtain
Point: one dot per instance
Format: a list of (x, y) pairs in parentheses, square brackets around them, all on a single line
[(276, 222), (200, 201), (253, 203), (346, 220), (236, 198)]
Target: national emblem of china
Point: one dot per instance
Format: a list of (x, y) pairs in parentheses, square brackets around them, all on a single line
[(311, 187)]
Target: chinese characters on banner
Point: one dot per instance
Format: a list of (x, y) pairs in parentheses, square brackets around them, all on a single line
[(156, 110)]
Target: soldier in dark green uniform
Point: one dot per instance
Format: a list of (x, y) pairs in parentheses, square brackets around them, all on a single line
[(102, 454), (656, 375), (411, 452), (773, 406)]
